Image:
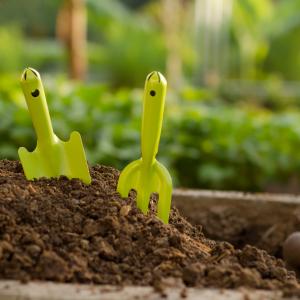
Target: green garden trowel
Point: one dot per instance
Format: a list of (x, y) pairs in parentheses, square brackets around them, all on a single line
[(146, 175), (51, 157)]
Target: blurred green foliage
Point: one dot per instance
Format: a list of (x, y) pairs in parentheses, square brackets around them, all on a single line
[(18, 53), (125, 43), (243, 135), (265, 39), (131, 45), (203, 144), (34, 17)]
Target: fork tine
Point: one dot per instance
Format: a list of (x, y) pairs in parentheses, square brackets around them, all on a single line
[(143, 199), (128, 178), (165, 192)]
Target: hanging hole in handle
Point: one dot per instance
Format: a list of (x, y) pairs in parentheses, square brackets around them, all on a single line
[(152, 93), (35, 93)]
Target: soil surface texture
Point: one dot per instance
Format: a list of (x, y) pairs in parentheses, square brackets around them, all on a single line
[(64, 231)]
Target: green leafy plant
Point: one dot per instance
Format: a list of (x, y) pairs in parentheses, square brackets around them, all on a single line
[(204, 145)]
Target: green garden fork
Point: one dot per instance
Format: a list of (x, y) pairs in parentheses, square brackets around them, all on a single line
[(146, 175), (51, 157)]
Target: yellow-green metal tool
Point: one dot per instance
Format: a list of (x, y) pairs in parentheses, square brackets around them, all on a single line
[(146, 175), (51, 157)]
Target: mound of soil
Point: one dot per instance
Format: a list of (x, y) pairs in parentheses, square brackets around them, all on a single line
[(64, 231)]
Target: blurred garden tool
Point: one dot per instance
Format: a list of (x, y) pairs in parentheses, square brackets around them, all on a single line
[(146, 175), (51, 157)]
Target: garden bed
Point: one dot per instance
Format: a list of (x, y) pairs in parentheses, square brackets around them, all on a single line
[(66, 232), (262, 220)]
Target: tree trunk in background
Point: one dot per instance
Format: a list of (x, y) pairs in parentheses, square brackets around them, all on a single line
[(171, 13), (72, 30)]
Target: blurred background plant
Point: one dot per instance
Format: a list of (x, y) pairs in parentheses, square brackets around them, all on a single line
[(233, 67)]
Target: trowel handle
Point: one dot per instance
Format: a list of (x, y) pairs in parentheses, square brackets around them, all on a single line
[(37, 105)]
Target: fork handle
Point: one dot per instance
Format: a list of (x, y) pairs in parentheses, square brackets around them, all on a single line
[(152, 118)]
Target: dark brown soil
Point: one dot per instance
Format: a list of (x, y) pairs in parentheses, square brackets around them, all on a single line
[(64, 231)]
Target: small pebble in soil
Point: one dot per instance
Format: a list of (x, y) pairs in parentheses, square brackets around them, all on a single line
[(291, 251)]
